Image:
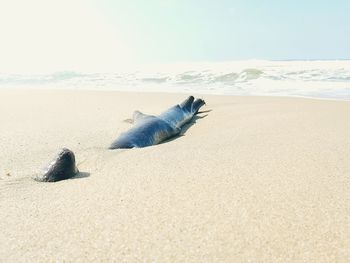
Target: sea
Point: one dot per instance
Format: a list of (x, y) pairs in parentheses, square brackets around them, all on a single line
[(323, 79)]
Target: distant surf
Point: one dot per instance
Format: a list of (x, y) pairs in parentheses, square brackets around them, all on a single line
[(316, 79)]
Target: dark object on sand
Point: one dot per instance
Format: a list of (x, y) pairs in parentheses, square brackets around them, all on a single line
[(61, 168), (150, 130)]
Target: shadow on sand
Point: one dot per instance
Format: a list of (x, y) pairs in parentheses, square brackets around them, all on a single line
[(188, 125), (81, 175)]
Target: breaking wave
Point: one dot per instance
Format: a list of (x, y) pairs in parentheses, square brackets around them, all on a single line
[(321, 79)]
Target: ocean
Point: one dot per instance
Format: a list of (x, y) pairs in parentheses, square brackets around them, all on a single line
[(314, 79)]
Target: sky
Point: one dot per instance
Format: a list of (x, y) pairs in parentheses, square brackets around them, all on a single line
[(107, 35)]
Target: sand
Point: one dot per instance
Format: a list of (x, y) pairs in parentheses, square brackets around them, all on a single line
[(259, 179)]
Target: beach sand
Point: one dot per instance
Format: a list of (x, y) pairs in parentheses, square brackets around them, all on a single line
[(259, 179)]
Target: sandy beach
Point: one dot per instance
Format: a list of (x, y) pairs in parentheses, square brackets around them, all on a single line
[(257, 179)]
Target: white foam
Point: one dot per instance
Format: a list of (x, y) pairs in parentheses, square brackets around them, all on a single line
[(317, 79)]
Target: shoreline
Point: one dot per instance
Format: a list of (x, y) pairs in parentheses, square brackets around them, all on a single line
[(173, 92)]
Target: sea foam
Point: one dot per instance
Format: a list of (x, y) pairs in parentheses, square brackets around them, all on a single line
[(317, 79)]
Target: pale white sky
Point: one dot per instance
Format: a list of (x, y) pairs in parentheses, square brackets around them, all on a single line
[(44, 36), (109, 35)]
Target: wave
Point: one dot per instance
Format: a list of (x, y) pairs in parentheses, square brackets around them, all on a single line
[(322, 79)]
